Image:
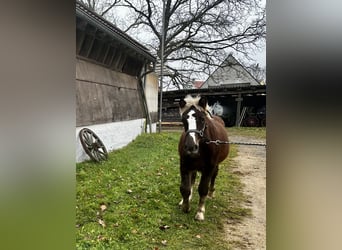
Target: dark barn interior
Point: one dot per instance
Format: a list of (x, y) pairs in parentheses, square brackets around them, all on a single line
[(237, 105)]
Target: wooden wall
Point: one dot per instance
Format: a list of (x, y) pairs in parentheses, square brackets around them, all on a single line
[(104, 95)]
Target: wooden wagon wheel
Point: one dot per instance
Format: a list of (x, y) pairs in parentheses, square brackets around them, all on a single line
[(92, 145), (251, 121)]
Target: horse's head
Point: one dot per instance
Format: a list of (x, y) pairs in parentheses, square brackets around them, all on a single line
[(193, 112)]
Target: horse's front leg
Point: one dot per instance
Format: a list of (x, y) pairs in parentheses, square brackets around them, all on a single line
[(186, 190), (211, 192), (203, 192)]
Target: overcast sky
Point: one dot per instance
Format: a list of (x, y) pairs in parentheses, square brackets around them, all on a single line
[(260, 57)]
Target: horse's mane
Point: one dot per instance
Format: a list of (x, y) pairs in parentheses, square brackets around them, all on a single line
[(193, 101)]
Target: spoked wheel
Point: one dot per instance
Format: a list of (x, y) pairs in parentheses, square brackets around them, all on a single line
[(92, 145), (251, 121)]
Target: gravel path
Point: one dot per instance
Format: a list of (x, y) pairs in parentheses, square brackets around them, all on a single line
[(250, 165)]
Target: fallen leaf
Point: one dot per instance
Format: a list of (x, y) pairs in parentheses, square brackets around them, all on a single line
[(198, 236), (182, 226), (103, 207), (102, 223), (164, 227), (164, 242), (100, 237)]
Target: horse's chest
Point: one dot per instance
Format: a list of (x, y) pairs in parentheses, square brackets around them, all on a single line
[(194, 164)]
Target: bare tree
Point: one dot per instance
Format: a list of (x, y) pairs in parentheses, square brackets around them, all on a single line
[(199, 34), (101, 7)]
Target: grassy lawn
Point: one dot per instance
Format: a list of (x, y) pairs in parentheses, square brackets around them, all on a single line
[(257, 132), (131, 200)]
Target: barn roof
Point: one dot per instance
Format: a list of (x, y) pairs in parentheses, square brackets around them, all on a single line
[(112, 31), (230, 89), (230, 72)]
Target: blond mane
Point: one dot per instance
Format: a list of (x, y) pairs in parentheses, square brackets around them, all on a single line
[(193, 101)]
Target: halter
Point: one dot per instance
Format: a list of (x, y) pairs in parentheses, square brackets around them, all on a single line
[(200, 132)]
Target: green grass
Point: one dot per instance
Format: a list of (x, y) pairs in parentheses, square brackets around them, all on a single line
[(139, 185), (255, 132)]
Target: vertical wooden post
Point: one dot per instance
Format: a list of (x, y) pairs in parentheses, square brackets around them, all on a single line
[(238, 109)]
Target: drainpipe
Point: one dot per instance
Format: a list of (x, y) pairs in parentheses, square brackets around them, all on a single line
[(142, 84)]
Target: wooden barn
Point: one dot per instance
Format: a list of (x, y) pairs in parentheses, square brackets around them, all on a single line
[(116, 87), (232, 92)]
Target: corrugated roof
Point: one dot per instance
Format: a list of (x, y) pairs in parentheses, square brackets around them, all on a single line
[(116, 33), (221, 89)]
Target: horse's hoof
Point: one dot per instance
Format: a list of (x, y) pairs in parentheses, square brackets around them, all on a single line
[(199, 216), (211, 195), (185, 209)]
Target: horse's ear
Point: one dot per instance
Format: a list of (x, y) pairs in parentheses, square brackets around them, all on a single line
[(182, 103), (203, 102)]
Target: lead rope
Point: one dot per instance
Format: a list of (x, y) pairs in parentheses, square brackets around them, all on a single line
[(219, 142)]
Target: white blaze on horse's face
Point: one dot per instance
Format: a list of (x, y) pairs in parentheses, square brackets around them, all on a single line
[(192, 124)]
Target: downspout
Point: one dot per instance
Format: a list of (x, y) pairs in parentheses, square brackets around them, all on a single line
[(142, 84)]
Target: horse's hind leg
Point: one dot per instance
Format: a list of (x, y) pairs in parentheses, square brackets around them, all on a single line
[(203, 192), (211, 192)]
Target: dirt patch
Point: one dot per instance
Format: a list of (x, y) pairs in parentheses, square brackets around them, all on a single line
[(250, 165)]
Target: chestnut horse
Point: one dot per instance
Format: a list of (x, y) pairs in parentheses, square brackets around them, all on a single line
[(196, 153)]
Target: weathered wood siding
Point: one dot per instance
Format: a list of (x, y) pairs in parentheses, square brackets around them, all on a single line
[(104, 95)]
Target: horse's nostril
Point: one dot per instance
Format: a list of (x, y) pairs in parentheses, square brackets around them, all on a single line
[(191, 148)]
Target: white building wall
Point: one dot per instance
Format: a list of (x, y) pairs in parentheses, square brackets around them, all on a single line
[(151, 92), (113, 135)]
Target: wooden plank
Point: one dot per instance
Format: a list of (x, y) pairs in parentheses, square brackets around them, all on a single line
[(90, 47), (80, 41), (106, 54)]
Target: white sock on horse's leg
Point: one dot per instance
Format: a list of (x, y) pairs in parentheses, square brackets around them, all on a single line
[(200, 212)]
